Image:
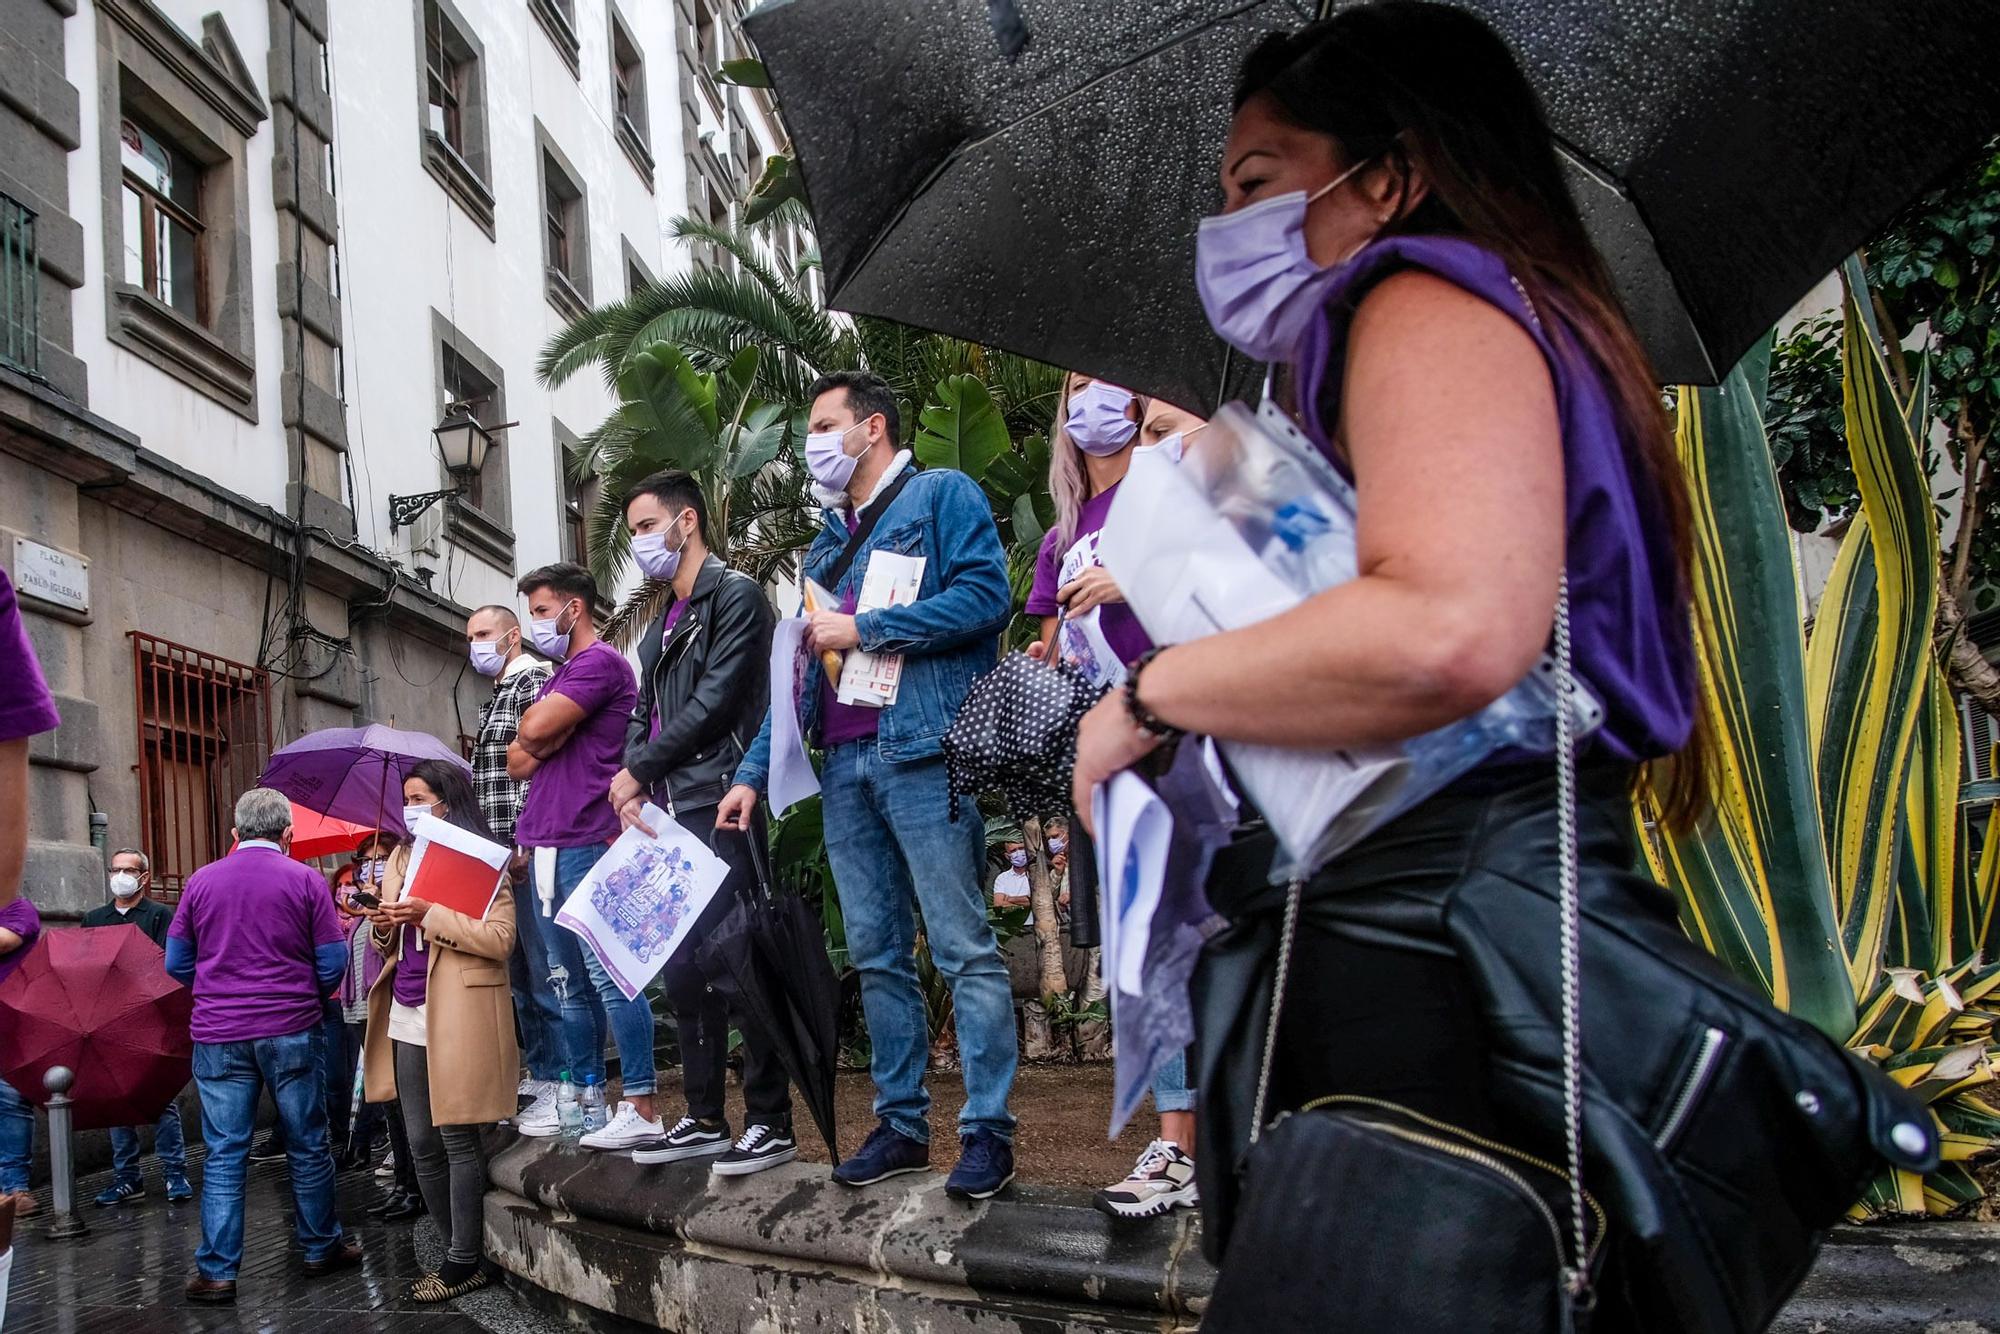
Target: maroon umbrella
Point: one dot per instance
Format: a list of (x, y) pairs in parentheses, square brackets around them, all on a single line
[(101, 1003)]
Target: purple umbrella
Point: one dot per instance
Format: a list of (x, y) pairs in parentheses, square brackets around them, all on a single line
[(355, 773)]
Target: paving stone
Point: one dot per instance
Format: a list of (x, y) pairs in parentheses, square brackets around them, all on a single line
[(126, 1276)]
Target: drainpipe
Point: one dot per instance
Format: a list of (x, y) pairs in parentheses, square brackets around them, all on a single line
[(100, 832)]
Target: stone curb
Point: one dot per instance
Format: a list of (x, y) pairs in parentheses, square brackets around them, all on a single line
[(1038, 1244), (1902, 1278)]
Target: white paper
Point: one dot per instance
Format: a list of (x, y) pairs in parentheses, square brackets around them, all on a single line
[(873, 679), (1083, 642), (637, 905), (428, 829), (793, 672), (1136, 829)]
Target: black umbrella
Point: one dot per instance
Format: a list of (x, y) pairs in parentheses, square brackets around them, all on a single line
[(1029, 173), (768, 959), (1016, 734)]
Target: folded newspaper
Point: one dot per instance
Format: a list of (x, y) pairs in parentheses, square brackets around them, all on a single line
[(1248, 526)]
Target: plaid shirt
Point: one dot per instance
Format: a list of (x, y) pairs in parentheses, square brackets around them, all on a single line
[(500, 797)]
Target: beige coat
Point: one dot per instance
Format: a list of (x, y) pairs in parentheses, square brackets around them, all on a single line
[(475, 1065)]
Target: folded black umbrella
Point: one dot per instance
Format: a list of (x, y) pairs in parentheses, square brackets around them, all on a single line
[(768, 959), (1028, 174)]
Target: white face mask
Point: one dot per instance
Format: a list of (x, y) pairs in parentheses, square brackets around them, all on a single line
[(124, 885), (411, 814), (827, 458), (550, 638)]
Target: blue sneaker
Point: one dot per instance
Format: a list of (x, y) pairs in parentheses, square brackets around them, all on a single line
[(178, 1189), (884, 1154), (985, 1166), (119, 1192)]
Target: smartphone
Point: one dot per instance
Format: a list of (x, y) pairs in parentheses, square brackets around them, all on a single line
[(364, 899)]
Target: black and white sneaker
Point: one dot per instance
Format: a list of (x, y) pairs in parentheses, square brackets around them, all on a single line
[(760, 1147), (688, 1138), (1161, 1182)]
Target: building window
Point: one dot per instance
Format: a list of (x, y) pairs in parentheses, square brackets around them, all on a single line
[(204, 737), (576, 535), (635, 277), (558, 20), (174, 125), (463, 383), (452, 93), (565, 231), (630, 122), (163, 230), (478, 521), (448, 72)]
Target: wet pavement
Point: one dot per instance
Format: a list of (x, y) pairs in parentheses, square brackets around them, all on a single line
[(126, 1276)]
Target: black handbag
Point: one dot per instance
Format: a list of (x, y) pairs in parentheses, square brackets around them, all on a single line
[(1722, 1135)]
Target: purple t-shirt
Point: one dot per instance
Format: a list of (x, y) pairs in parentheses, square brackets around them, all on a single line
[(666, 633), (569, 803), (20, 917), (254, 920), (412, 980), (25, 706), (841, 723), (1054, 568)]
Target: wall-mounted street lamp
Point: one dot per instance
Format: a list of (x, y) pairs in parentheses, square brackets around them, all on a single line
[(463, 442)]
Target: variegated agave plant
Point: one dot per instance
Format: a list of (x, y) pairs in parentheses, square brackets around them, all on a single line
[(1832, 869)]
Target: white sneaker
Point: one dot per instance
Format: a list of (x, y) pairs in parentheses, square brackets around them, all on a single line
[(388, 1167), (532, 1088), (627, 1129), (539, 1120), (1161, 1181)]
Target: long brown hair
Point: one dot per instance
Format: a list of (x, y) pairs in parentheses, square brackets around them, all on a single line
[(1433, 91)]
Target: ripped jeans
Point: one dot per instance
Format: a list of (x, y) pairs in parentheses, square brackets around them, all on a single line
[(590, 1000)]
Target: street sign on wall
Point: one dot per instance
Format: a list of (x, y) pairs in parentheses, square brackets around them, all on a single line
[(55, 576)]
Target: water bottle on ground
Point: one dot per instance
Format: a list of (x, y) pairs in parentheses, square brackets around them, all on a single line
[(594, 1115), (569, 1108)]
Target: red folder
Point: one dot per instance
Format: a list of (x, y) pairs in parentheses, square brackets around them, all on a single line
[(451, 867)]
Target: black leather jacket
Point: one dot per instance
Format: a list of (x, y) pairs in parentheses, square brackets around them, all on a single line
[(709, 689)]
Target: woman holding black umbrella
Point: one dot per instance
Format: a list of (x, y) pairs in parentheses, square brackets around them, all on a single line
[(1397, 235)]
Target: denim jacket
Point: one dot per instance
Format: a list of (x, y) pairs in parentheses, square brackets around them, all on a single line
[(948, 637)]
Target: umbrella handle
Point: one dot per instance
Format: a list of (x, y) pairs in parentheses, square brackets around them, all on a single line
[(758, 857)]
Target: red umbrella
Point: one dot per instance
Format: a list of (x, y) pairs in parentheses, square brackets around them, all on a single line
[(101, 1003), (316, 835)]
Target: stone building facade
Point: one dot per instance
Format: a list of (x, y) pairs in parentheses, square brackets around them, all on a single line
[(251, 251)]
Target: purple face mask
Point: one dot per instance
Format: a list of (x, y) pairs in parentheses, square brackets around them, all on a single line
[(1251, 268), (1097, 423)]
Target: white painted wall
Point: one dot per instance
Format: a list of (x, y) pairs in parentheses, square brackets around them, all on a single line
[(407, 249)]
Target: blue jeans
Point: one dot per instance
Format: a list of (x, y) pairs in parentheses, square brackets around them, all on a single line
[(591, 1001), (229, 1076), (1170, 1087), (893, 851), (536, 1008), (169, 1146), (17, 1139)]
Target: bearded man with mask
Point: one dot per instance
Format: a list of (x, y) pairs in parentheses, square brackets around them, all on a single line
[(131, 877), (894, 837), (572, 743), (493, 638)]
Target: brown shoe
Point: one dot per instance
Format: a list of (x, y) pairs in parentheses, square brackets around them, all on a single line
[(211, 1291), (345, 1256), (25, 1205)]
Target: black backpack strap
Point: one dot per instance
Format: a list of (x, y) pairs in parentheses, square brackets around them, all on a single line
[(876, 509)]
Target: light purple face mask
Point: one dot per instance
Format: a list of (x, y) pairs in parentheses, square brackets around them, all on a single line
[(1097, 423), (1251, 266)]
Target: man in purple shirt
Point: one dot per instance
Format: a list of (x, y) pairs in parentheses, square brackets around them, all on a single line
[(572, 743), (257, 941)]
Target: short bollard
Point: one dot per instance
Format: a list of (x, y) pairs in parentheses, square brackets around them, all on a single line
[(66, 1222)]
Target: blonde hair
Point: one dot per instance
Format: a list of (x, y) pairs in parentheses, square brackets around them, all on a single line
[(1069, 483)]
